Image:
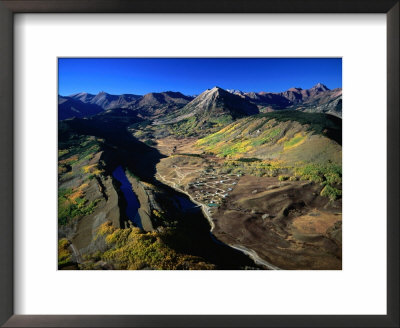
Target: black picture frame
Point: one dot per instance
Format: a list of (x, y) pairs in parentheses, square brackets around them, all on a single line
[(7, 10)]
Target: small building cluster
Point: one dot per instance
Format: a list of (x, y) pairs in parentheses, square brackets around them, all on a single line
[(210, 188)]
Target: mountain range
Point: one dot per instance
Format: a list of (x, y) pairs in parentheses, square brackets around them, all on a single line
[(318, 99), (172, 107), (70, 107)]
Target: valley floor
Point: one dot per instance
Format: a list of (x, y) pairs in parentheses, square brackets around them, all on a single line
[(288, 224)]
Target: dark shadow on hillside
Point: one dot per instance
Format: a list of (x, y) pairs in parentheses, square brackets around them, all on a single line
[(319, 123), (335, 131), (121, 147)]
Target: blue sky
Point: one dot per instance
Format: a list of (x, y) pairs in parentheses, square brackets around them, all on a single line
[(194, 75)]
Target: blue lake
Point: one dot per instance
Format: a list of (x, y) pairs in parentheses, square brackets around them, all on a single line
[(185, 203), (130, 197)]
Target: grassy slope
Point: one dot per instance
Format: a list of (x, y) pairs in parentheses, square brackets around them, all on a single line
[(74, 176), (289, 135), (289, 144), (194, 126), (132, 249), (74, 155)]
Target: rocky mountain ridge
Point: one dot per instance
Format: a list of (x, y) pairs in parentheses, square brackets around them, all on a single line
[(170, 106), (318, 99)]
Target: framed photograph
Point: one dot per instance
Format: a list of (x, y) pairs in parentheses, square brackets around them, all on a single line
[(214, 164)]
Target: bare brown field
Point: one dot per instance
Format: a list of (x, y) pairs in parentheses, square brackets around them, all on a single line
[(286, 223), (315, 222)]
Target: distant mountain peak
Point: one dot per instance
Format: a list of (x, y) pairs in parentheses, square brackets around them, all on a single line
[(295, 89), (216, 102), (235, 91), (78, 94), (214, 90), (320, 86)]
